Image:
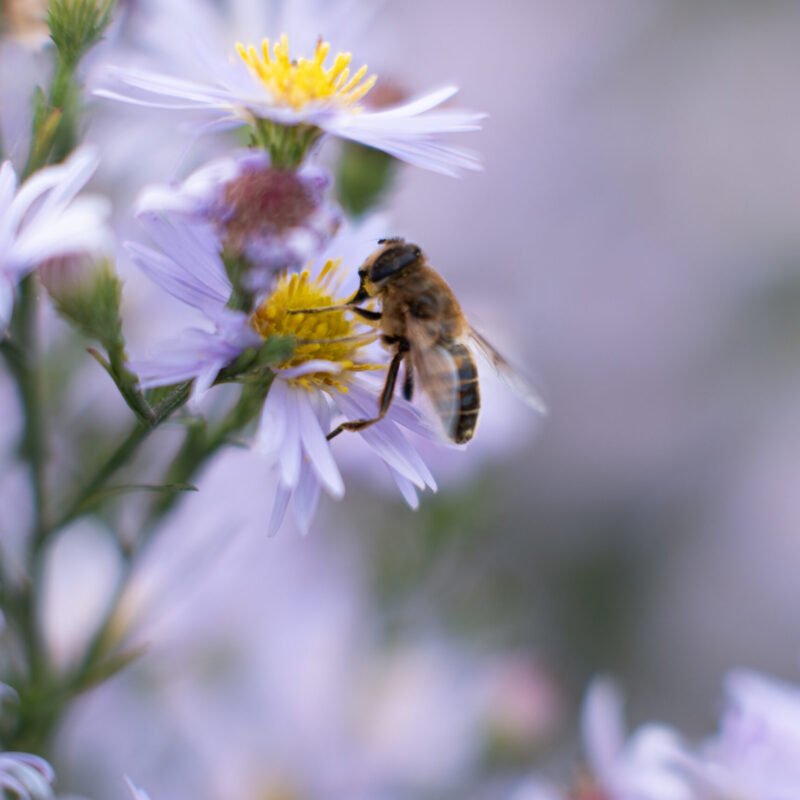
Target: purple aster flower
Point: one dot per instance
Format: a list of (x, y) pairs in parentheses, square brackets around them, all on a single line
[(42, 220), (275, 218), (310, 96), (25, 776), (326, 376)]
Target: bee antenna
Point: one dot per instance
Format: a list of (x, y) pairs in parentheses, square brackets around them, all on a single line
[(391, 240)]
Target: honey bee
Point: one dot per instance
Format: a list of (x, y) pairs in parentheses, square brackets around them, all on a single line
[(422, 322)]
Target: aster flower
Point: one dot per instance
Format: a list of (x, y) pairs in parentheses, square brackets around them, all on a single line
[(756, 753), (25, 777), (325, 376), (43, 220), (641, 766), (290, 101), (276, 219), (135, 792)]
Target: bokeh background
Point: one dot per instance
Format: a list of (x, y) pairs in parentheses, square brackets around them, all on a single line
[(634, 241)]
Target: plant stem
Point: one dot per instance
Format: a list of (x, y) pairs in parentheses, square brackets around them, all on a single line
[(123, 452), (24, 362)]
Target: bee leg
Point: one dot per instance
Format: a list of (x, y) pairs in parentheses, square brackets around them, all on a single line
[(386, 396), (408, 383), (364, 313), (359, 337)]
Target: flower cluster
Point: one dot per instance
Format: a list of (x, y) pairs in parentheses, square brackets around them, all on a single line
[(253, 239)]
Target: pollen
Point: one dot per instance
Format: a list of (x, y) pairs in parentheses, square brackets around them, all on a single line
[(300, 82), (328, 336)]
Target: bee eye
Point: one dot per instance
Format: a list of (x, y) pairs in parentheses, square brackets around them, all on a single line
[(392, 261)]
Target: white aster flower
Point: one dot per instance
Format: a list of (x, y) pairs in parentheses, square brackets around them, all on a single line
[(266, 87), (43, 219), (323, 378), (756, 753), (25, 776), (643, 766), (275, 218)]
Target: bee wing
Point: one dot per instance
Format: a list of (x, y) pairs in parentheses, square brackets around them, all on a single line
[(507, 373), (437, 374)]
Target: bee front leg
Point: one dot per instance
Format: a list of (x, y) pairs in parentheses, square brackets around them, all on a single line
[(386, 396), (408, 383), (364, 313)]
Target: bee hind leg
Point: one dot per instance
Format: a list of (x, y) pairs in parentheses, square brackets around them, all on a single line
[(386, 397)]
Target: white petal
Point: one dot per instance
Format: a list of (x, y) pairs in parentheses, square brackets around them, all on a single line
[(76, 171), (77, 229), (602, 728), (315, 365), (136, 792), (6, 303), (196, 95), (8, 185), (291, 453), (406, 489), (318, 448), (386, 439), (272, 422), (176, 280), (282, 497), (305, 498)]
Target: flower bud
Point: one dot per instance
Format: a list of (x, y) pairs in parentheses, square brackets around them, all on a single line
[(77, 25), (87, 293), (272, 219), (364, 175)]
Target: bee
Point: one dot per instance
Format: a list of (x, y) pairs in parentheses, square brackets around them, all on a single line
[(422, 322)]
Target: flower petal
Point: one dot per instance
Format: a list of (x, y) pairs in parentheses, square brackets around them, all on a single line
[(318, 449)]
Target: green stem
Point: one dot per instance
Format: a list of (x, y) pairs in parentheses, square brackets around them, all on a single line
[(23, 360), (123, 452)]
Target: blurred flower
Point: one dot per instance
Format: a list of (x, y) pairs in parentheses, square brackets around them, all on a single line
[(26, 21), (25, 776), (525, 706), (317, 381), (136, 792), (290, 102), (756, 753), (43, 220), (644, 766), (277, 219)]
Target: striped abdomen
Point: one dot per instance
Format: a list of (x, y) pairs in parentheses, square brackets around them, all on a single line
[(468, 400)]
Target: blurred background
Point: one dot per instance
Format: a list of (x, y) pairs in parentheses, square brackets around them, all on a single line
[(633, 241)]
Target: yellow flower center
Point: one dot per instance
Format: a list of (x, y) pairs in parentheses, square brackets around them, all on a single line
[(329, 335), (297, 83)]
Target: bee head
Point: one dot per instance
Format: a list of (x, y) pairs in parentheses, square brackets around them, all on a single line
[(393, 257)]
